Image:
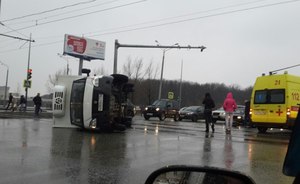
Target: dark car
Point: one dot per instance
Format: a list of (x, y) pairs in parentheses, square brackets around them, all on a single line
[(192, 112), (162, 109), (239, 115)]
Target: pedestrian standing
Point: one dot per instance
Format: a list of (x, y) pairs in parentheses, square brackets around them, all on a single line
[(37, 100), (209, 104), (229, 106), (247, 113), (22, 104), (10, 100)]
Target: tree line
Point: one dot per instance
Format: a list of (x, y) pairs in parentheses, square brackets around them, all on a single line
[(146, 85), (146, 92)]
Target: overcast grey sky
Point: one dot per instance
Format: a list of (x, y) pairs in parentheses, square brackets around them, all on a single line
[(244, 38)]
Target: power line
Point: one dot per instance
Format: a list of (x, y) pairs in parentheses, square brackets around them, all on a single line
[(48, 11), (196, 18), (175, 22), (180, 16), (56, 15), (75, 16)]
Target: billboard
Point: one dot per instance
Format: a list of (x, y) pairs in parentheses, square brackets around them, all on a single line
[(85, 48)]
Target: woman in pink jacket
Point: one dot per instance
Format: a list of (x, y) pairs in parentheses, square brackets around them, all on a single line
[(229, 106)]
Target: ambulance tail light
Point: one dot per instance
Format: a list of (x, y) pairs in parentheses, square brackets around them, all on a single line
[(250, 112), (288, 112), (59, 96)]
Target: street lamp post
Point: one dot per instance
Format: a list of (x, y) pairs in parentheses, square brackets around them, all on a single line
[(6, 79), (162, 68)]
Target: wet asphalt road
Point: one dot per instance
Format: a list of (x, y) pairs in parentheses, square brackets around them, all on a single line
[(31, 151)]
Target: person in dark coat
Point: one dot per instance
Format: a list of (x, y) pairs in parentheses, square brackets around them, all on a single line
[(37, 100), (10, 99), (22, 105), (209, 104), (247, 111)]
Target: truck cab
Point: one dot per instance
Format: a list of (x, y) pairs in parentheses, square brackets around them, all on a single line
[(92, 102)]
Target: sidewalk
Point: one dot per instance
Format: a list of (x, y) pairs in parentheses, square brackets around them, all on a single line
[(27, 114)]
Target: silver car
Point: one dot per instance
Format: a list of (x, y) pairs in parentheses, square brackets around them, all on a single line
[(218, 114)]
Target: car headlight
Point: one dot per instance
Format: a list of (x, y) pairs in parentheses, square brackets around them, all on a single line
[(190, 113), (146, 108), (157, 109), (93, 124), (239, 117)]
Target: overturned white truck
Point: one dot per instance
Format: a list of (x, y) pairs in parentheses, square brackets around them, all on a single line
[(96, 102)]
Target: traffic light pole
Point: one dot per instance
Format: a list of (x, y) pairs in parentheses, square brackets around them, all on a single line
[(165, 47), (28, 65)]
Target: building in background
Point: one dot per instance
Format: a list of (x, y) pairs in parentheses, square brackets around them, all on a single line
[(2, 92)]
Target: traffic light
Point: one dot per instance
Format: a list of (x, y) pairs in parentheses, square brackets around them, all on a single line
[(29, 73)]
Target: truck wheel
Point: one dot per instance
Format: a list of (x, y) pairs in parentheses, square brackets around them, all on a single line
[(162, 116), (146, 117), (262, 129)]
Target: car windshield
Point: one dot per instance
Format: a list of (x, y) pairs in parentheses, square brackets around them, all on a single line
[(159, 103)]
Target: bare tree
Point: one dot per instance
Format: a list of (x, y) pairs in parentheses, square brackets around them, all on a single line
[(100, 71), (128, 68), (151, 72), (138, 65), (52, 79)]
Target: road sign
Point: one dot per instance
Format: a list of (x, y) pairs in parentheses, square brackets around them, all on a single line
[(27, 83), (170, 95)]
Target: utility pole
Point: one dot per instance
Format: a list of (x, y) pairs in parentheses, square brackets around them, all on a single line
[(176, 46), (180, 87), (28, 67), (6, 80), (28, 64)]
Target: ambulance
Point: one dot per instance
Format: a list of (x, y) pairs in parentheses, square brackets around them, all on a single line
[(275, 101)]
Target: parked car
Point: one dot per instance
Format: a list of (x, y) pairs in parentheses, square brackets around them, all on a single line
[(238, 115), (192, 112), (218, 115), (162, 109)]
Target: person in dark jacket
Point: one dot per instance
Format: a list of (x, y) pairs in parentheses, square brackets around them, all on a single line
[(209, 104), (22, 105), (37, 100), (10, 100), (247, 111)]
